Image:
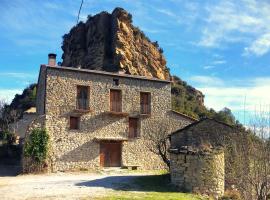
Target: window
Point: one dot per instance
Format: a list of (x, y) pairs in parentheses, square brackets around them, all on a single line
[(145, 103), (83, 97), (133, 128), (115, 100), (116, 81), (74, 122)]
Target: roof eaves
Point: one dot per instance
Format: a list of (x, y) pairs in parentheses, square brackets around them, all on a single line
[(197, 122), (186, 116), (107, 73)]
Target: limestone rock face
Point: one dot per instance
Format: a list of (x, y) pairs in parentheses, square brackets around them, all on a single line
[(110, 42)]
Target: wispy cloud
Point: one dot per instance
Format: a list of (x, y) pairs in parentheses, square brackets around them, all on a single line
[(245, 21), (17, 75), (8, 95), (207, 80), (220, 93), (259, 47), (219, 62), (208, 67)]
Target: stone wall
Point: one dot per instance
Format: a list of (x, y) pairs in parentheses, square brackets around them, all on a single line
[(207, 131), (198, 171), (110, 42), (20, 127), (80, 148), (41, 87)]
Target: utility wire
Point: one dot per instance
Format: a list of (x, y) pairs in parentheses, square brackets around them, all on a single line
[(79, 12)]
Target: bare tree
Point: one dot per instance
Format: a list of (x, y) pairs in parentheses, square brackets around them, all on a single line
[(248, 160), (158, 141), (3, 117)]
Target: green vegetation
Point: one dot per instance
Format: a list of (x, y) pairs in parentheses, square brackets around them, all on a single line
[(7, 137), (37, 146), (187, 100), (156, 187), (151, 196), (20, 103)]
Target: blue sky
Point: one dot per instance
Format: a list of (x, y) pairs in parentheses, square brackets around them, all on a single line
[(220, 47)]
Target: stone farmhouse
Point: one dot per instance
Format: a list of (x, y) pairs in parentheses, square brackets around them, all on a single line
[(99, 119)]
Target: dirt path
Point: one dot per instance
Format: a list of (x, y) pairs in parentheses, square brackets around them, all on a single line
[(62, 185)]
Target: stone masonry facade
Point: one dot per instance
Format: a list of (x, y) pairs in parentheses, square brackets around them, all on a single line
[(200, 172), (199, 157), (81, 148)]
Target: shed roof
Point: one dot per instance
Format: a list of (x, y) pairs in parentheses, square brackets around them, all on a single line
[(31, 110), (198, 122)]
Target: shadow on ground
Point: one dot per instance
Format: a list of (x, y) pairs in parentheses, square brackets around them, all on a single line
[(9, 170), (149, 183)]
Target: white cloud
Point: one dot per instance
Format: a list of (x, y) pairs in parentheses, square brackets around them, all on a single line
[(219, 62), (260, 46), (208, 67), (255, 91), (17, 75), (8, 94), (245, 21), (207, 80)]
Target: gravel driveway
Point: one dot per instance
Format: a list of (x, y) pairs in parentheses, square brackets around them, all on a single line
[(63, 185)]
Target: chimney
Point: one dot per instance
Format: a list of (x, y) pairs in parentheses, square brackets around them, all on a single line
[(52, 59)]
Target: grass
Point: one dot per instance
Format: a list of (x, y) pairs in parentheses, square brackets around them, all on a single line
[(151, 196), (152, 187)]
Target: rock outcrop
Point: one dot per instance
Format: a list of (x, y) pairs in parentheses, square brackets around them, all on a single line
[(110, 42)]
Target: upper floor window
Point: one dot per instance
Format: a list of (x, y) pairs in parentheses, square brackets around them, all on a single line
[(115, 100), (145, 102), (133, 127), (83, 97), (116, 81), (74, 123)]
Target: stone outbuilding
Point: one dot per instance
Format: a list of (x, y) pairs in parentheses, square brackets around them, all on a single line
[(19, 128), (99, 119), (197, 157)]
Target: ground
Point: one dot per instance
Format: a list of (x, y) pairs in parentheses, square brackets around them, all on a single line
[(90, 185)]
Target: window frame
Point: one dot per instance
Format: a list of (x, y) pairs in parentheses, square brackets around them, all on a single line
[(111, 102), (149, 107), (87, 107), (77, 125), (136, 133)]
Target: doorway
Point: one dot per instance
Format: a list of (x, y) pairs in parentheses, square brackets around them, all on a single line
[(110, 154)]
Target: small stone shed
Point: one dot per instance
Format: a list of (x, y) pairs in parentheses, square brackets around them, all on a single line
[(197, 156), (198, 170)]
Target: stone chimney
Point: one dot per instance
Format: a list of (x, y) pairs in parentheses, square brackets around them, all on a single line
[(52, 59)]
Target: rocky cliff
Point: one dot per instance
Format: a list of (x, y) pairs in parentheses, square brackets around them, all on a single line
[(110, 42)]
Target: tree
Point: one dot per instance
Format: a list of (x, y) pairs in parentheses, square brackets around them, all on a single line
[(248, 163), (3, 117), (158, 141)]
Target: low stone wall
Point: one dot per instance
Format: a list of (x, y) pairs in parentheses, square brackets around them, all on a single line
[(198, 171)]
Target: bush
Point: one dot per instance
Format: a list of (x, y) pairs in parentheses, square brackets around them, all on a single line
[(7, 137), (37, 146), (231, 195)]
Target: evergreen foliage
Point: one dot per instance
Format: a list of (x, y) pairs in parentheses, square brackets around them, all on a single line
[(37, 146)]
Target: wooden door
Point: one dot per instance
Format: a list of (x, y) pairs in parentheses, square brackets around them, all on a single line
[(115, 100), (110, 154)]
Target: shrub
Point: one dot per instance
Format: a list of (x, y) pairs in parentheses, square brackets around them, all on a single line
[(8, 137), (231, 195), (37, 146)]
